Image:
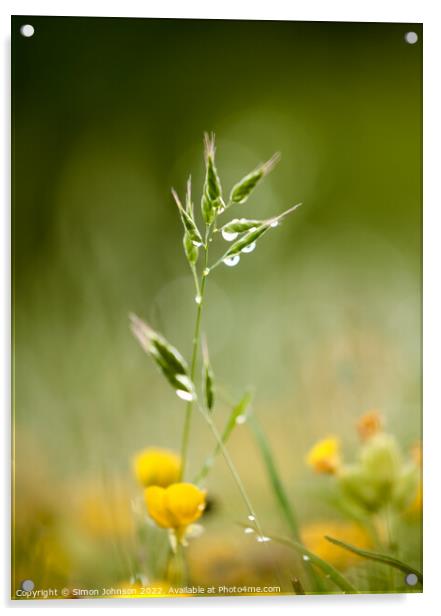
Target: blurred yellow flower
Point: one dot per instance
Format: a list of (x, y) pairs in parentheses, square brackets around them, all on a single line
[(157, 467), (175, 507), (313, 536), (369, 424), (324, 456)]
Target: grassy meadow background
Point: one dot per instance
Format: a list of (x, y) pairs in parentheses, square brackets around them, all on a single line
[(323, 320)]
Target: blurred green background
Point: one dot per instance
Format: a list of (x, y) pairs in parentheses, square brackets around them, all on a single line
[(323, 319)]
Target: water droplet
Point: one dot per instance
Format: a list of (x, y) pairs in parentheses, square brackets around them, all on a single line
[(198, 244), (252, 518), (229, 236), (201, 507), (248, 530), (184, 395), (241, 419), (263, 539), (305, 557), (221, 210), (198, 299), (250, 247), (275, 223), (232, 261), (206, 271)]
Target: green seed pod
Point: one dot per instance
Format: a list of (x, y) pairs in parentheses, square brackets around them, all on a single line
[(240, 225), (191, 250), (188, 222), (188, 202), (207, 377), (242, 190), (212, 191), (249, 238), (168, 359)]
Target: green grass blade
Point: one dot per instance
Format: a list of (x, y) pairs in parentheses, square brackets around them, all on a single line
[(329, 571), (381, 558), (276, 484)]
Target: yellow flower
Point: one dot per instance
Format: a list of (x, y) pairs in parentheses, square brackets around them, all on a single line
[(313, 536), (324, 457), (369, 424), (175, 507), (157, 467)]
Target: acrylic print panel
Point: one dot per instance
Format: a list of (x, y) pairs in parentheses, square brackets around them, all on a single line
[(217, 391)]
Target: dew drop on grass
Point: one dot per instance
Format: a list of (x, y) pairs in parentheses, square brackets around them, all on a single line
[(263, 539), (249, 248), (275, 223), (241, 419), (198, 299), (305, 557), (197, 244), (206, 271), (232, 261), (184, 395), (229, 236), (248, 530), (251, 518)]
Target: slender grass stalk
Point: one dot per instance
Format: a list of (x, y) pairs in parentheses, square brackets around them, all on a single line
[(251, 512), (335, 576), (280, 493), (200, 294), (276, 483), (237, 410), (375, 556)]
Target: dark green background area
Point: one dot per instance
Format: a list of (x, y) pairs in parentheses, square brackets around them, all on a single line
[(323, 319)]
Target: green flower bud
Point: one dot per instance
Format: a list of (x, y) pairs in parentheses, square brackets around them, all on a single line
[(168, 359), (188, 222), (212, 191), (190, 248), (381, 458), (242, 190)]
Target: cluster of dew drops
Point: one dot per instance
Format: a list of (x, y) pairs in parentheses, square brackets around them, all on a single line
[(249, 530), (230, 236)]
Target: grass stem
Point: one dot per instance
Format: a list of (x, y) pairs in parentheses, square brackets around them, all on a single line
[(196, 340)]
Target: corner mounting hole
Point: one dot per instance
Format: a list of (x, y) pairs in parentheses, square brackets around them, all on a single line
[(411, 579), (27, 30), (411, 38)]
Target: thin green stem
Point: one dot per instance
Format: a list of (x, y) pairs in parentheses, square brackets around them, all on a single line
[(276, 483), (196, 339), (381, 558), (251, 512), (326, 568)]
